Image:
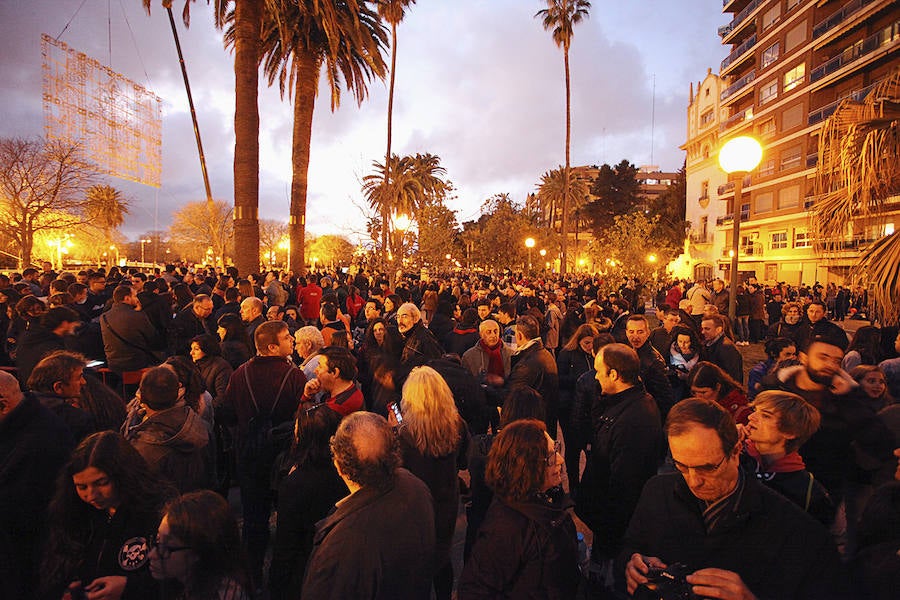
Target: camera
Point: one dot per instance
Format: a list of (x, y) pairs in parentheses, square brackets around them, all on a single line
[(666, 584)]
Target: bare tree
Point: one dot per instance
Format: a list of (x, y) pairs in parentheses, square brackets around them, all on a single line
[(42, 186), (192, 231)]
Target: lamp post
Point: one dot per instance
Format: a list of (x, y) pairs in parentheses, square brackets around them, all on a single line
[(143, 241), (529, 243), (116, 250), (737, 157), (401, 223)]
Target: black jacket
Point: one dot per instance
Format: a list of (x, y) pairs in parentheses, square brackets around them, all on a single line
[(523, 550), (35, 344), (653, 373), (535, 367), (129, 340), (626, 447), (34, 444), (182, 328), (778, 550), (725, 354)]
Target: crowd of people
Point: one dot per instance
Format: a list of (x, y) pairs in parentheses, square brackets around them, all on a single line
[(354, 414)]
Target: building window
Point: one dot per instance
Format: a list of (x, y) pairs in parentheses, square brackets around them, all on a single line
[(770, 17), (795, 37), (704, 189), (792, 3), (767, 128), (794, 77), (779, 240), (790, 157), (704, 224), (707, 92), (771, 271), (747, 244), (763, 202), (767, 167), (802, 239), (789, 197), (768, 92), (770, 55), (792, 117), (706, 118)]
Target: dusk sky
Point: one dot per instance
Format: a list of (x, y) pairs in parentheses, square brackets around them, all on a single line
[(479, 83)]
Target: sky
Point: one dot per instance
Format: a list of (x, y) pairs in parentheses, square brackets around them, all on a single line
[(479, 83)]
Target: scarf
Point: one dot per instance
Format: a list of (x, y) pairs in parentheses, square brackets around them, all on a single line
[(495, 358)]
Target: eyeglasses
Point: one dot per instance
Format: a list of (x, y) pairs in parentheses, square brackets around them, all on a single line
[(164, 549), (551, 458), (702, 469)]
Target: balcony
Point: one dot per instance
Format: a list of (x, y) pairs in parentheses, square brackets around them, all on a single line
[(826, 111), (739, 20), (731, 5), (812, 160), (858, 50), (738, 85), (737, 53), (700, 238), (751, 249), (738, 117), (728, 188), (826, 25), (726, 220)]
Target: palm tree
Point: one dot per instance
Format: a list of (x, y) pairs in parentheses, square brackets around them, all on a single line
[(857, 173), (246, 19), (561, 16), (299, 38), (418, 181), (393, 12), (105, 208), (552, 190)]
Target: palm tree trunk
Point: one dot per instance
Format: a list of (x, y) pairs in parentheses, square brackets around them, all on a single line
[(307, 75), (248, 17), (387, 154), (565, 207)]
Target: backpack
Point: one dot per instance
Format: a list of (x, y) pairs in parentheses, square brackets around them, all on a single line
[(264, 441)]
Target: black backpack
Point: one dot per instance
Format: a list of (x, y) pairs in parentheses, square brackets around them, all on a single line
[(264, 441)]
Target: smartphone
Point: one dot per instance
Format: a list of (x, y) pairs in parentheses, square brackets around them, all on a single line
[(396, 410)]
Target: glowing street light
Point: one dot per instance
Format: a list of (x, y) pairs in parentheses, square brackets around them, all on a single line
[(737, 157), (285, 244), (116, 250), (651, 258), (529, 243)]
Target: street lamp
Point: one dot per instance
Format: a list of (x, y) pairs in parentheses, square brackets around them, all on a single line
[(401, 223), (143, 241), (737, 157), (116, 250), (529, 243)]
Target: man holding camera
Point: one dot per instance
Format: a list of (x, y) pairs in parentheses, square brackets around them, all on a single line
[(729, 535)]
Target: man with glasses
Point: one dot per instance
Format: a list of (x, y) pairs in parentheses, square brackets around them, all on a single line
[(735, 537), (419, 344)]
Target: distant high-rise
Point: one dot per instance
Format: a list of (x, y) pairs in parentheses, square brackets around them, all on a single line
[(789, 64)]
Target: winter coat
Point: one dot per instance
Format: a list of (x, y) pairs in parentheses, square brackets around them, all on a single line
[(36, 343), (626, 447), (778, 550), (725, 355), (377, 544), (524, 550), (173, 442), (216, 372), (535, 367), (129, 340)]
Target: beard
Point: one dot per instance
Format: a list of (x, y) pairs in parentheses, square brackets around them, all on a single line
[(820, 377)]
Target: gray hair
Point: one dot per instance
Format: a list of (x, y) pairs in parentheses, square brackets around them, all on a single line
[(311, 335)]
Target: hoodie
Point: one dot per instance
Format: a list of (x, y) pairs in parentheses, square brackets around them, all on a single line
[(173, 442)]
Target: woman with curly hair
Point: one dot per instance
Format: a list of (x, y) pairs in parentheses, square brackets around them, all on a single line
[(434, 443), (102, 517), (198, 548), (527, 546)]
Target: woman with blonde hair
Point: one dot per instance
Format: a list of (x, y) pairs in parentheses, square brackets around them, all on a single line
[(434, 443)]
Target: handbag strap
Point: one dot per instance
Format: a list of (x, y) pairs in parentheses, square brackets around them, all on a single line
[(125, 341)]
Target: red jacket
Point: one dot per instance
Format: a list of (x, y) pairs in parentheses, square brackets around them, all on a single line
[(309, 298)]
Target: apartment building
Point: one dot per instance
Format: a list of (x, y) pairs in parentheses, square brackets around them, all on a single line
[(788, 66)]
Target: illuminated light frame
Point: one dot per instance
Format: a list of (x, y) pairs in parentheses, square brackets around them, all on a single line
[(117, 122)]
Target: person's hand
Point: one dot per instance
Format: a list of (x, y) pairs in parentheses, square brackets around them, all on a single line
[(106, 588), (312, 388), (719, 583), (636, 570), (743, 433), (391, 417)]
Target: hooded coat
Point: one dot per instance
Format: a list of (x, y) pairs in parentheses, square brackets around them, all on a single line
[(173, 442)]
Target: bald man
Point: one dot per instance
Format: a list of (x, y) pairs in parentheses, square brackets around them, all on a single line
[(388, 507), (34, 444), (252, 314)]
